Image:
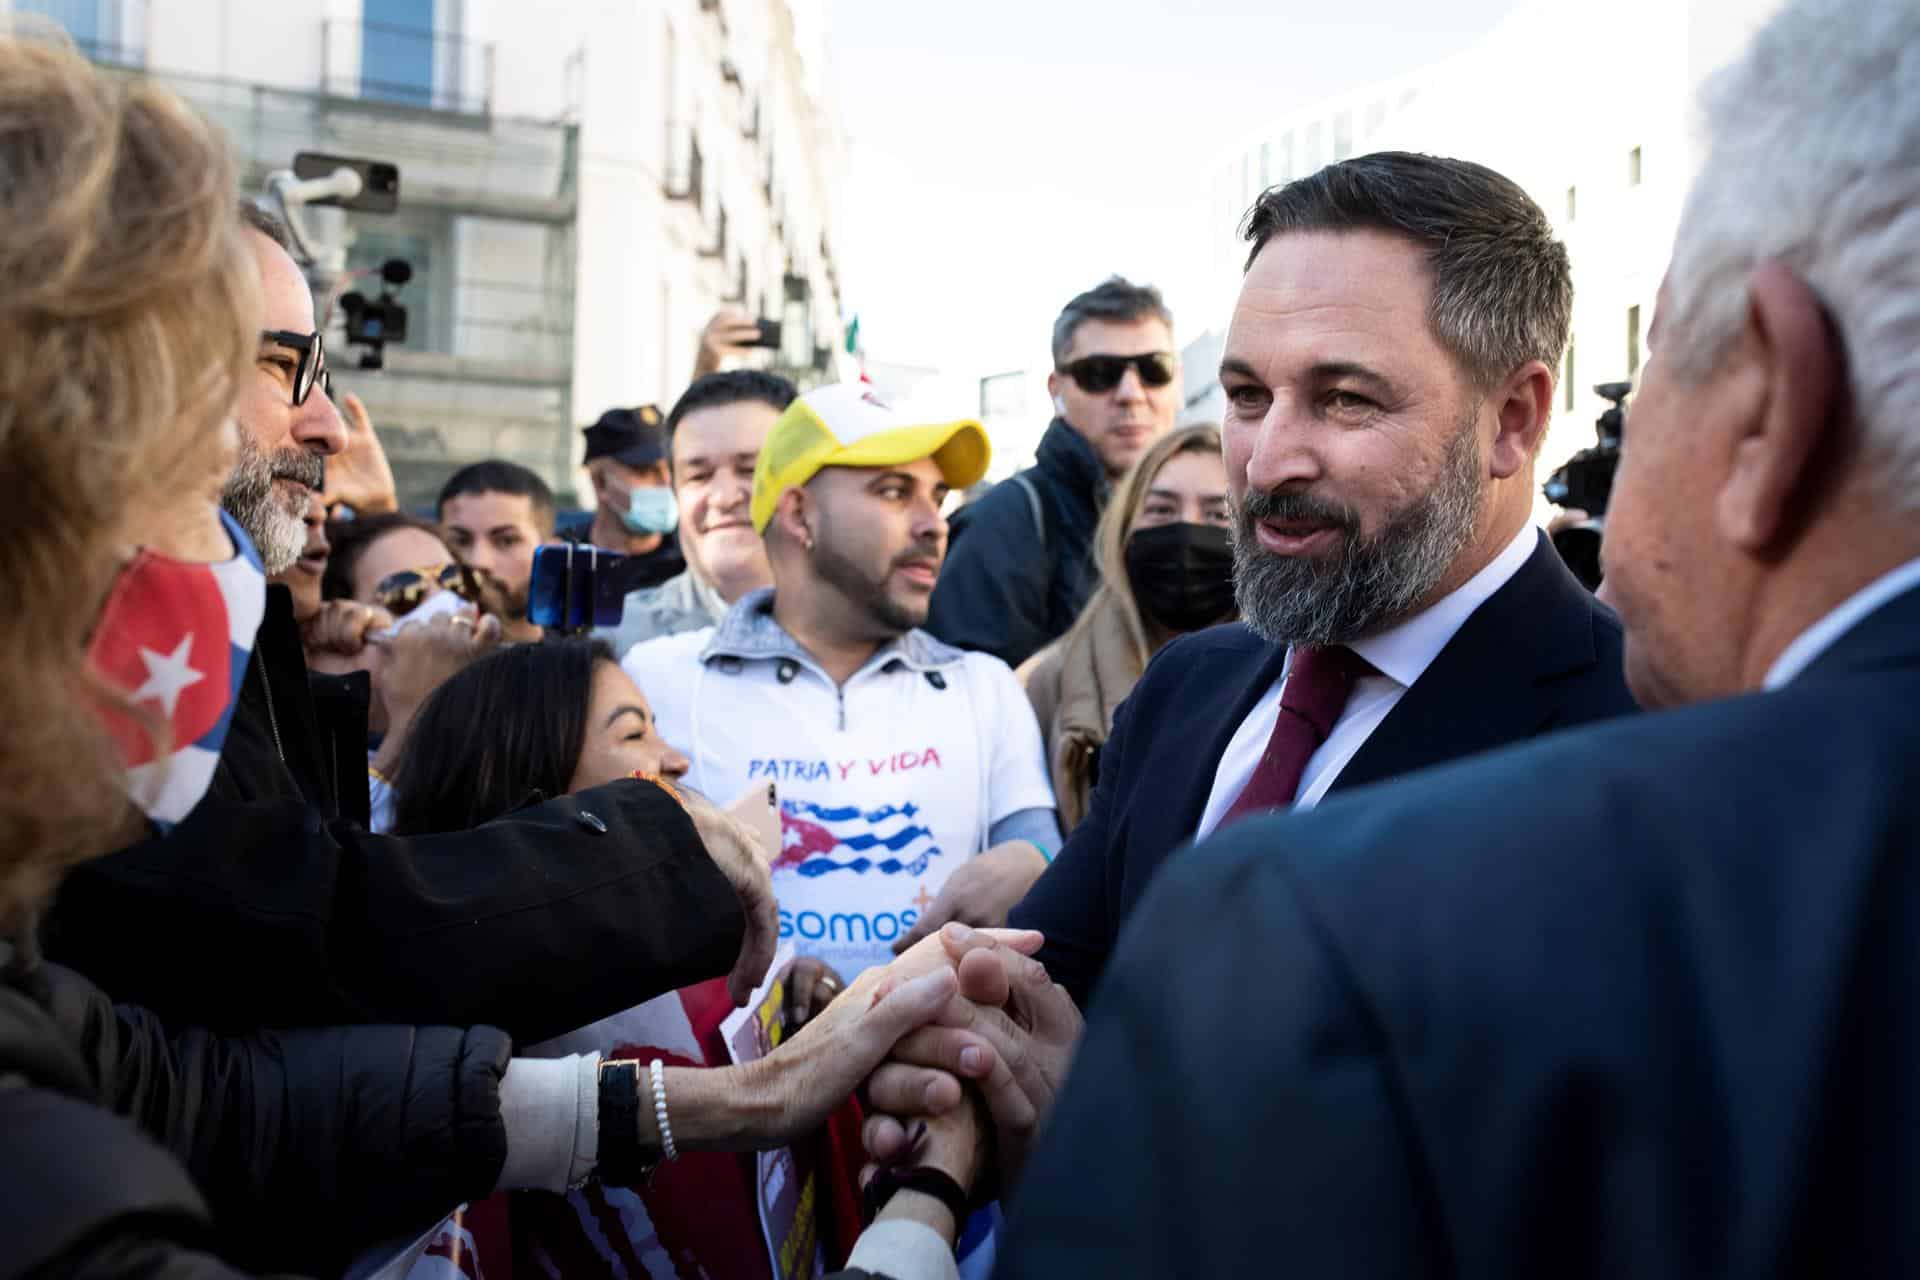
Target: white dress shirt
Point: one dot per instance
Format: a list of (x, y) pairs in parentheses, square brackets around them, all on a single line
[(1399, 654), (1819, 637)]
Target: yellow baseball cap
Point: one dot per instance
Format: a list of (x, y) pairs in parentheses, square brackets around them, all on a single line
[(848, 425)]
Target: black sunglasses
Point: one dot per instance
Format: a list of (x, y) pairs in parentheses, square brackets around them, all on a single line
[(403, 592), (1099, 374), (312, 365)]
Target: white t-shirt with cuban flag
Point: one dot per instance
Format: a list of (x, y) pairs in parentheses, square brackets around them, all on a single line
[(886, 785)]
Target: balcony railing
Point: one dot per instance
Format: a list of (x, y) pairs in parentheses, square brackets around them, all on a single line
[(406, 66), (514, 168)]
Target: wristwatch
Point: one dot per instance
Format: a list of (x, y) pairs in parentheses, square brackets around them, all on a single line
[(925, 1179)]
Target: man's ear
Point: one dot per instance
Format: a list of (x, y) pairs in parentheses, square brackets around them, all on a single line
[(793, 515), (1775, 456), (1523, 407)]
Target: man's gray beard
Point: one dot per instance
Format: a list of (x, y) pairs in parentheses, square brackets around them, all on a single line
[(1337, 599), (250, 498)]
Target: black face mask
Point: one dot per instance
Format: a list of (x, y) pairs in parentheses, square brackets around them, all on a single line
[(1182, 574)]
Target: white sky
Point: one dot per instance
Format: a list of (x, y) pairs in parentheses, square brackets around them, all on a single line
[(1006, 155)]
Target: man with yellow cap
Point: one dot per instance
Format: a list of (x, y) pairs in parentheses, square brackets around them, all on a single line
[(911, 780)]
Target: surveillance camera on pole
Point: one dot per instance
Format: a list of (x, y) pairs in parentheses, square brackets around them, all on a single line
[(318, 180)]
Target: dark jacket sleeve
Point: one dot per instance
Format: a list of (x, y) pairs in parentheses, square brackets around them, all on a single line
[(309, 1146), (259, 914), (86, 1194), (993, 588), (1072, 901), (1231, 1103)]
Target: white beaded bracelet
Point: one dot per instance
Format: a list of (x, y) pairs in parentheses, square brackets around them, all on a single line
[(660, 1110)]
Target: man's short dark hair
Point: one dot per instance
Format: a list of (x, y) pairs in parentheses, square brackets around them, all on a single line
[(1115, 299), (498, 476), (733, 386), (1502, 285), (258, 219)]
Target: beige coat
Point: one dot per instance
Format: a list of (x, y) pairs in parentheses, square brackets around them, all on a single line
[(1075, 685)]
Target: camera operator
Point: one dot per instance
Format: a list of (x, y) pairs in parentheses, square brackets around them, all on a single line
[(1581, 489)]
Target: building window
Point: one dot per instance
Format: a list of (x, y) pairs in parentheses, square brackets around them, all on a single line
[(397, 51), (1633, 342), (1633, 167), (1567, 381), (1571, 205), (1316, 151), (1285, 171), (93, 24), (1376, 116), (1266, 165), (1343, 135)]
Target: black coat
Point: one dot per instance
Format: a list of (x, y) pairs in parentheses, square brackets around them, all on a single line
[(1008, 588), (262, 910), (132, 1150), (1540, 654), (1636, 1001), (295, 735)]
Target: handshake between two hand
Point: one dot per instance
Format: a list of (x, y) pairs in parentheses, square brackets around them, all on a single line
[(967, 1089)]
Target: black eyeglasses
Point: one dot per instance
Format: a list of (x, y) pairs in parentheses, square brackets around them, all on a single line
[(312, 366), (1098, 374)]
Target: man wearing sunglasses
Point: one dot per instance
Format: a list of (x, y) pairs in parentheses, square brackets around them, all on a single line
[(1023, 570)]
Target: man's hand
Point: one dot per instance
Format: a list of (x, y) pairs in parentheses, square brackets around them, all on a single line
[(981, 891), (735, 849), (731, 332), (791, 1090), (360, 477), (342, 627), (1012, 1032)]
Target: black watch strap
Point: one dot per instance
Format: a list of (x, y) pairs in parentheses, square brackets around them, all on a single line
[(622, 1163), (922, 1178)]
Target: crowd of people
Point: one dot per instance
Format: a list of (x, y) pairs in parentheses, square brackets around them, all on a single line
[(1218, 849)]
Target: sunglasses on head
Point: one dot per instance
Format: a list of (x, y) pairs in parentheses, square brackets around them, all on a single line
[(403, 592), (1097, 374), (311, 369)]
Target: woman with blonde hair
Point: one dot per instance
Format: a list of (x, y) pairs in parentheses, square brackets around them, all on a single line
[(1165, 558), (130, 316)]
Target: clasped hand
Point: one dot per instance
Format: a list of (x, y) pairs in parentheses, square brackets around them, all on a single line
[(1008, 1032)]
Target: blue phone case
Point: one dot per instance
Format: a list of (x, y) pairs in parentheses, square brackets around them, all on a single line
[(575, 587)]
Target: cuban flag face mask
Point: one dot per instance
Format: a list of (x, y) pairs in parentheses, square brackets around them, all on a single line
[(176, 636)]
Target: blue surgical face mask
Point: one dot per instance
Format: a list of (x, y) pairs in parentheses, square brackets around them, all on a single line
[(651, 509)]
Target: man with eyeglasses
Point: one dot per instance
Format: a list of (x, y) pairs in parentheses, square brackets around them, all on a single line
[(271, 905), (1021, 565)]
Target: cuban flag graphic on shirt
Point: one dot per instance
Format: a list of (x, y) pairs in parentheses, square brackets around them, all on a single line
[(177, 636), (816, 840)]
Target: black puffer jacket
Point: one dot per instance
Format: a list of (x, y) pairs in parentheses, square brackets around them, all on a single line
[(1010, 588), (288, 1150)]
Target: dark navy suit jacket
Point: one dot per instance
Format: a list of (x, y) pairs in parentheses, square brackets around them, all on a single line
[(1641, 1000), (1540, 654)]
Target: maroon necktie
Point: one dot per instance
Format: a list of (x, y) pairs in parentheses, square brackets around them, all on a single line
[(1311, 700)]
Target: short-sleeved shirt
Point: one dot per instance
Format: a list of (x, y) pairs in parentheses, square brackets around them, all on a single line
[(887, 784)]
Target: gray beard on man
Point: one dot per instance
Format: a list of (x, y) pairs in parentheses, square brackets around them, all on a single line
[(250, 498), (1366, 584)]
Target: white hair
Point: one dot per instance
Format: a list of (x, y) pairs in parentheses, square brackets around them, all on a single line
[(1814, 161)]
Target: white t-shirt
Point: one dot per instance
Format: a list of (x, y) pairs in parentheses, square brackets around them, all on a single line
[(886, 785)]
